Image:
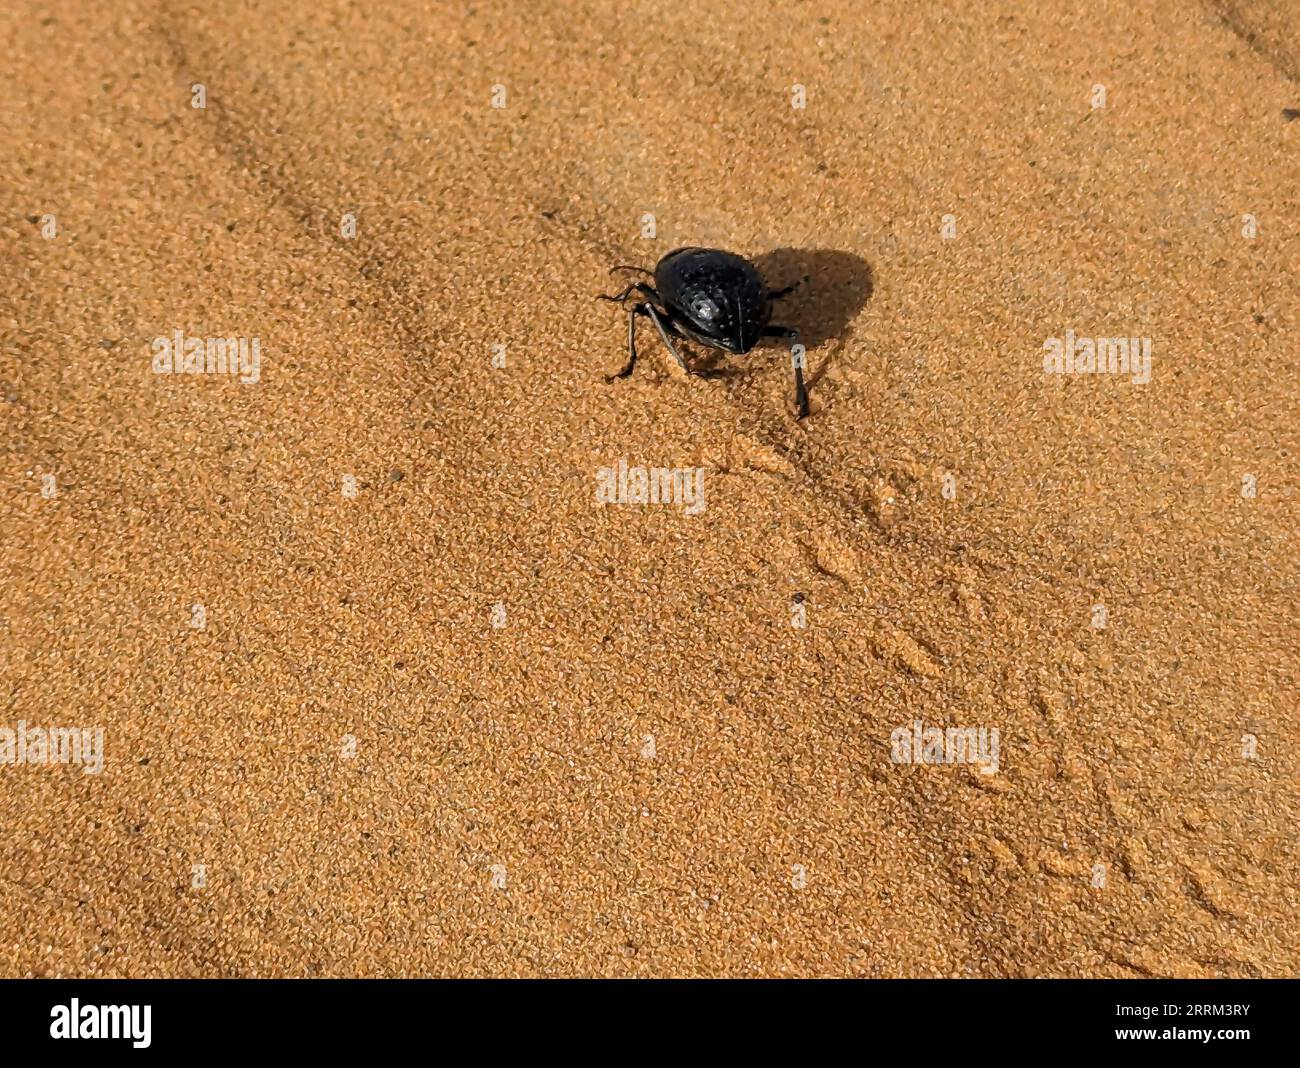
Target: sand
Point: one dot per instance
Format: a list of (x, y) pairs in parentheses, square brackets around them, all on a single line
[(439, 711)]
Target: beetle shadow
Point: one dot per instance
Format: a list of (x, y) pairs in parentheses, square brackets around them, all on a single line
[(834, 287)]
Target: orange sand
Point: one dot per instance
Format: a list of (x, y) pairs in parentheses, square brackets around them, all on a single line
[(649, 770)]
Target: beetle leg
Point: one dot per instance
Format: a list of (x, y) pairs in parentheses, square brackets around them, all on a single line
[(800, 390), (655, 314), (628, 267), (639, 309), (616, 298), (777, 294), (619, 298)]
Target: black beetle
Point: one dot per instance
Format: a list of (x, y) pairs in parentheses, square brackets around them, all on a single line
[(715, 298)]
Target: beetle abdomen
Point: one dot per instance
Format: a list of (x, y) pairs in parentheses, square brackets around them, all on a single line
[(719, 298)]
